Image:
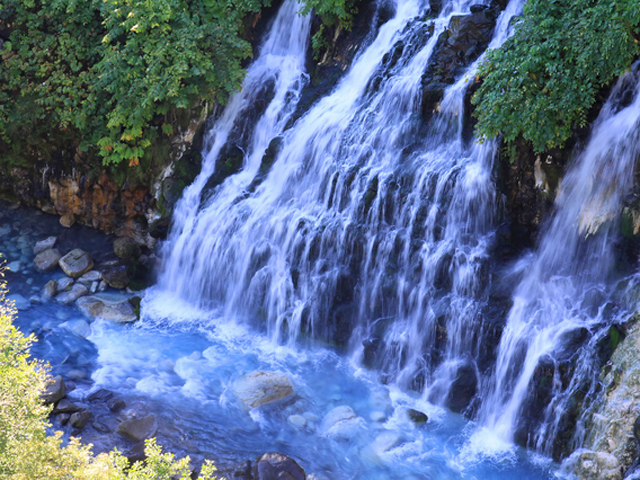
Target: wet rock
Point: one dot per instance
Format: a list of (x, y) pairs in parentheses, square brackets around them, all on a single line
[(79, 419), (43, 245), (261, 388), (54, 391), (417, 417), (612, 426), (139, 429), (65, 406), (116, 404), (116, 276), (277, 466), (47, 260), (125, 247), (63, 418), (67, 220), (118, 311), (20, 302), (297, 421), (342, 423), (77, 291), (15, 266), (386, 441), (463, 389), (50, 289), (101, 395), (76, 263), (78, 327), (90, 277), (136, 453), (64, 284), (589, 465)]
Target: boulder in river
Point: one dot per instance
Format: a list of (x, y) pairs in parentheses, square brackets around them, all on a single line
[(117, 310), (139, 429), (80, 419), (125, 247), (54, 391), (76, 263), (116, 276), (47, 260), (260, 388), (77, 291), (341, 422), (277, 466), (43, 245)]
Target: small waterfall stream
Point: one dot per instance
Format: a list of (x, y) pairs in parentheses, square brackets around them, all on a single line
[(566, 287)]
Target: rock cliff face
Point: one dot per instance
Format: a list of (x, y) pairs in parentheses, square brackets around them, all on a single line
[(611, 447), (122, 200)]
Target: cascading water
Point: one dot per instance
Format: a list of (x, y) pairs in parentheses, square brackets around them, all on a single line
[(368, 229), (565, 295)]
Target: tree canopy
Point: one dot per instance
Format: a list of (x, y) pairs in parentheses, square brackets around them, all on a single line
[(542, 82)]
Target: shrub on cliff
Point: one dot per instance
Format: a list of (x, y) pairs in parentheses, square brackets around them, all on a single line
[(542, 82), (27, 452), (103, 70)]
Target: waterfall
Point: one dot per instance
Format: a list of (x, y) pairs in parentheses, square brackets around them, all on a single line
[(364, 224), (564, 293)]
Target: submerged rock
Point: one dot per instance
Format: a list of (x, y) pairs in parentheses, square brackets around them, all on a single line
[(47, 260), (139, 429), (261, 388), (54, 391), (77, 291), (76, 263), (277, 466), (120, 311), (125, 247)]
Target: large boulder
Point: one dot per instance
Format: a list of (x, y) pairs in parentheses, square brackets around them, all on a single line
[(54, 391), (116, 276), (139, 429), (260, 388), (125, 247), (117, 310), (76, 263), (277, 466), (47, 260), (77, 291)]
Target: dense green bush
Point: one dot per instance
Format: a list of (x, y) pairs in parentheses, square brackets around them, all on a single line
[(28, 453), (103, 70), (542, 82), (105, 75)]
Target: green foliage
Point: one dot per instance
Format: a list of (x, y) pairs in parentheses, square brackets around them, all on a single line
[(104, 71), (542, 82), (28, 453), (332, 13)]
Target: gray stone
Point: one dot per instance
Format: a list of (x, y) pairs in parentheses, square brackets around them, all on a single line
[(103, 286), (64, 418), (50, 290), (277, 466), (47, 260), (342, 423), (72, 295), (79, 327), (139, 429), (35, 300), (65, 406), (125, 247), (116, 404), (64, 284), (93, 307), (76, 263), (79, 419), (90, 277), (116, 277), (15, 266), (43, 245), (260, 388), (297, 421), (417, 417), (590, 465), (21, 303), (54, 391)]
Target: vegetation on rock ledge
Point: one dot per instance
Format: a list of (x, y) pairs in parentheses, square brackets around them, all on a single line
[(542, 82)]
